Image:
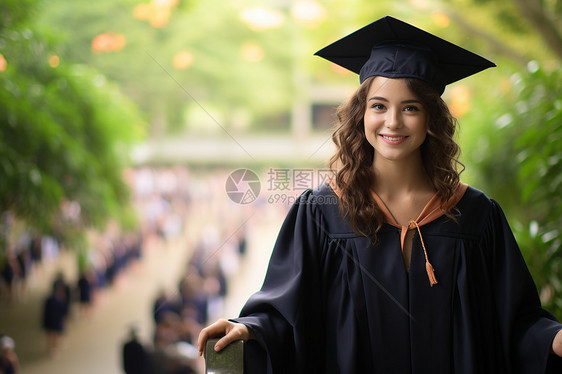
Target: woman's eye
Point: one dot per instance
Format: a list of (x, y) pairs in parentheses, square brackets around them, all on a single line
[(411, 108), (377, 106)]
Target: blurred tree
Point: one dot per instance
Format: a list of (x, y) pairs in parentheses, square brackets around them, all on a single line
[(521, 164), (518, 160), (63, 133), (507, 28), (201, 63), (200, 56), (544, 17)]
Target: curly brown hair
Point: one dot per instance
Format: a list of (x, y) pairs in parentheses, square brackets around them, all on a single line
[(353, 159)]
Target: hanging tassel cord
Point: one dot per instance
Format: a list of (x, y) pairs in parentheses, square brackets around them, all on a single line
[(428, 266)]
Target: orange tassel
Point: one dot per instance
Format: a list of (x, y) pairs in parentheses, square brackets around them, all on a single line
[(428, 266), (430, 274)]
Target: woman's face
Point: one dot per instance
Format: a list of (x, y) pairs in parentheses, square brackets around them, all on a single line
[(395, 120)]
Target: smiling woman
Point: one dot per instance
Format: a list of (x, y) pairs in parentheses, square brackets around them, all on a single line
[(350, 287)]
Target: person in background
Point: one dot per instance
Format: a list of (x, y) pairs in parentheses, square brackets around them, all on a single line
[(61, 284), (85, 287), (136, 359), (396, 266), (54, 313), (24, 262), (9, 363), (9, 271)]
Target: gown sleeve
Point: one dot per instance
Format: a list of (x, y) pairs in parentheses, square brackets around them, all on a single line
[(285, 314), (525, 326)]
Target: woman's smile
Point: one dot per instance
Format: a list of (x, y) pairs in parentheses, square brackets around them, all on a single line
[(393, 139)]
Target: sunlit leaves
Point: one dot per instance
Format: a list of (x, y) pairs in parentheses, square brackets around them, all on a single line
[(182, 60), (460, 100), (156, 12), (262, 18), (108, 42)]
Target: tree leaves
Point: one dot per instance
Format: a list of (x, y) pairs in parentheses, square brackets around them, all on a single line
[(64, 132), (523, 167)]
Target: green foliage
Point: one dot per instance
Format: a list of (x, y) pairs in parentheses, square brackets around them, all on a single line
[(15, 12), (64, 132), (213, 33), (504, 26), (522, 166)]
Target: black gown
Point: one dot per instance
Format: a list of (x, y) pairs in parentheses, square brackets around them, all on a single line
[(332, 302)]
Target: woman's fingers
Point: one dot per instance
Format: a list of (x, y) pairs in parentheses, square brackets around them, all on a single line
[(216, 329), (231, 331), (235, 331)]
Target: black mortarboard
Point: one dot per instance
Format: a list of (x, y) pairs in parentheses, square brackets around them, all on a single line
[(395, 49)]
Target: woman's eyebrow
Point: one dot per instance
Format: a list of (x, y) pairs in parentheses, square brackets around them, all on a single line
[(409, 101), (380, 98)]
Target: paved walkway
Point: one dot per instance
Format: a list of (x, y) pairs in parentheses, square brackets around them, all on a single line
[(92, 343)]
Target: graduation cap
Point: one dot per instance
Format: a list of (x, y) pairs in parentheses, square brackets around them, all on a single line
[(392, 48)]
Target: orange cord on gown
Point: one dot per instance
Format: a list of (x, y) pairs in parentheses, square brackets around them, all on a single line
[(433, 210)]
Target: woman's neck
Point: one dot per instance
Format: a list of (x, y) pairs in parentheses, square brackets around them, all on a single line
[(399, 178)]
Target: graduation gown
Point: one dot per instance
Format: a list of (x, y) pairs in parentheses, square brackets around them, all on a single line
[(336, 302)]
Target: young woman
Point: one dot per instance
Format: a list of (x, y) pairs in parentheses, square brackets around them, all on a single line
[(396, 266)]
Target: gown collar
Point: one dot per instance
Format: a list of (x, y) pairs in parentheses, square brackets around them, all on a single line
[(434, 209)]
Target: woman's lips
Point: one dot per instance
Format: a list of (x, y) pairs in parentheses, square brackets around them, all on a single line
[(393, 139)]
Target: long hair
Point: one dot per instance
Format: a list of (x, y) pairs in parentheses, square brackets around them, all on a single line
[(353, 159)]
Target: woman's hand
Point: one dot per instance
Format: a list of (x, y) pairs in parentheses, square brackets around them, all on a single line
[(232, 331), (557, 344)]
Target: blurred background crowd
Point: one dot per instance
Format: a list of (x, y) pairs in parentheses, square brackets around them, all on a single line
[(166, 201)]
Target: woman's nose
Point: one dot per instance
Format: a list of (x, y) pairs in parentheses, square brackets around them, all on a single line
[(393, 120)]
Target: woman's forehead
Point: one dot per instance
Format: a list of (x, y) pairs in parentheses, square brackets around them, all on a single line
[(395, 88)]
